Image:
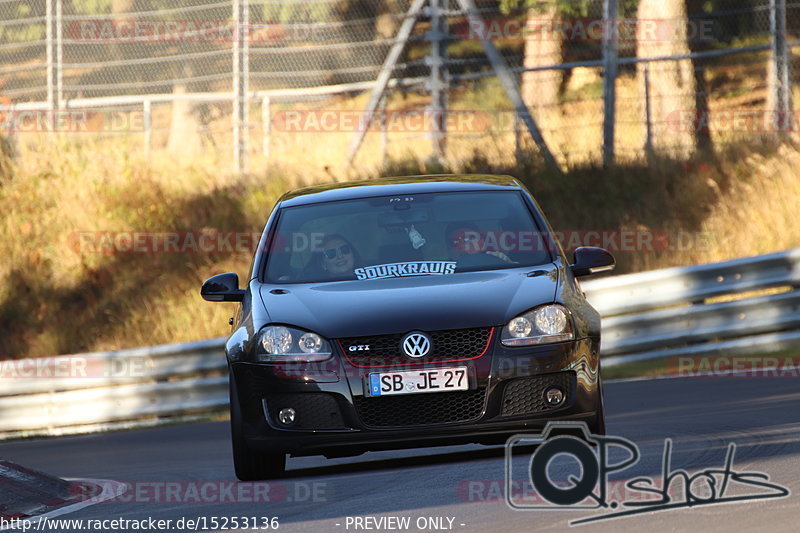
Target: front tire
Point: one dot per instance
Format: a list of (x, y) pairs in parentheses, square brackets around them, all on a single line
[(598, 424), (250, 465)]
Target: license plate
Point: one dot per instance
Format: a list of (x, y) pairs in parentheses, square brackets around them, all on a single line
[(418, 381)]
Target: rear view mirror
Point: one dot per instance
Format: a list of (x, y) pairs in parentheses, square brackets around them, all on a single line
[(588, 261), (400, 217), (222, 288)]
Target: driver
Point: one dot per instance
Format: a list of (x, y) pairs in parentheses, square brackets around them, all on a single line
[(338, 256), (466, 246)]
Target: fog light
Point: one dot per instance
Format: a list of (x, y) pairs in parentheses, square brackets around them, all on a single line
[(286, 416), (554, 397)]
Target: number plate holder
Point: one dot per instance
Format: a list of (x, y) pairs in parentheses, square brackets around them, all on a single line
[(417, 381)]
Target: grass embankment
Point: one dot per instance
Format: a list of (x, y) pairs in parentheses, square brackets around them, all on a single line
[(56, 297)]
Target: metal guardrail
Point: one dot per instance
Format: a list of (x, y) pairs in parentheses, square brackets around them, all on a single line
[(657, 314), (105, 390), (687, 285), (663, 313)]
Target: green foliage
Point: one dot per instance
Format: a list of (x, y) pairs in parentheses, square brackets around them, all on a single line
[(92, 7), (5, 160), (627, 8), (572, 8), (742, 23), (587, 92), (488, 94), (19, 34), (567, 8), (313, 11)]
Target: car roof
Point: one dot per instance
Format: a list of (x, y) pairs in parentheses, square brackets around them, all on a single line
[(398, 185)]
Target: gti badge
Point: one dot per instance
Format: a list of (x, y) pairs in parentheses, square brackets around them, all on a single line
[(359, 348), (416, 345)]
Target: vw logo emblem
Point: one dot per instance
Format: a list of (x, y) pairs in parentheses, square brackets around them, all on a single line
[(416, 345)]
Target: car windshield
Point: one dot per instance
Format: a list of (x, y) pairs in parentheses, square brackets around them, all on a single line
[(400, 236)]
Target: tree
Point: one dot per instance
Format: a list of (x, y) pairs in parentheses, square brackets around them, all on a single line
[(695, 11), (543, 47), (672, 84), (332, 22)]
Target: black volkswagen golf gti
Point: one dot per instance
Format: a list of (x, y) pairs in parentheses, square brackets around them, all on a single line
[(407, 312)]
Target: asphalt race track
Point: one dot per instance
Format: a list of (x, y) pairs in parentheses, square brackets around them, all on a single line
[(461, 488)]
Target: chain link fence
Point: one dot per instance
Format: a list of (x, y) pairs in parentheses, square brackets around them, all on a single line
[(339, 82)]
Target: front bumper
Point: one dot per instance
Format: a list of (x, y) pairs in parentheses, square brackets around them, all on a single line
[(336, 418)]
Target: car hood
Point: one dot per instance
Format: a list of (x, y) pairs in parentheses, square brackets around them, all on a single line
[(399, 305)]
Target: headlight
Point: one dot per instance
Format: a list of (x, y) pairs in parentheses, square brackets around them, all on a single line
[(281, 344), (543, 325)]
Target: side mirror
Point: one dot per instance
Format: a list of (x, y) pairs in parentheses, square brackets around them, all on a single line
[(588, 261), (222, 288)]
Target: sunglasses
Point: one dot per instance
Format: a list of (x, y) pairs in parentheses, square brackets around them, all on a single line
[(460, 239), (343, 250)]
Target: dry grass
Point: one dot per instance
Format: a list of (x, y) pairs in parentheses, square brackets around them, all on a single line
[(58, 298), (759, 213), (55, 298)]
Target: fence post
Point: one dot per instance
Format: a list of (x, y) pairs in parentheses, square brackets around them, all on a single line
[(610, 53), (648, 115), (241, 75), (147, 119), (508, 80), (384, 131), (9, 122), (437, 83), (54, 39), (51, 98), (384, 76), (266, 126), (781, 86), (59, 96)]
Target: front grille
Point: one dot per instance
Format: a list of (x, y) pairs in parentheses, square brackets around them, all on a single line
[(421, 409), (314, 410), (446, 345), (527, 395)]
